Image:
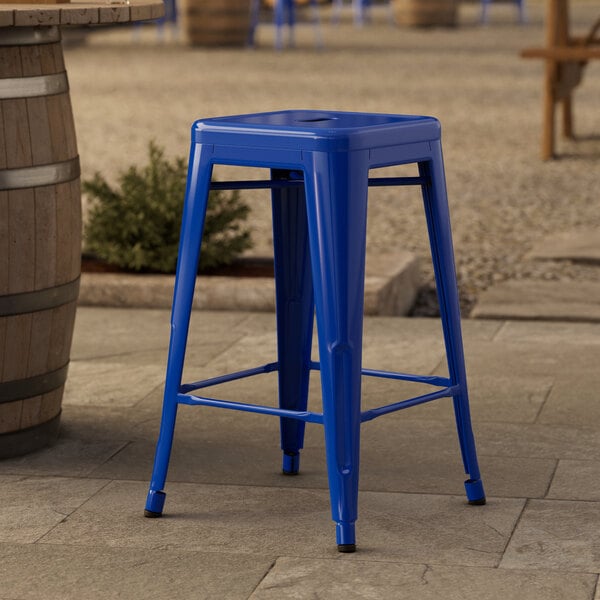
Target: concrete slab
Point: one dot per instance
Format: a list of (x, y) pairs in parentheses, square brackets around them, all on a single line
[(55, 572), (66, 458), (537, 441), (576, 480), (102, 423), (550, 300), (123, 331), (101, 382), (391, 285), (530, 359), (580, 245), (33, 506), (303, 578), (546, 332), (410, 467), (573, 402), (294, 522), (494, 397), (556, 535)]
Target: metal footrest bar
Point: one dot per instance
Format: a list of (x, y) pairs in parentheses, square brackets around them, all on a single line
[(204, 383), (369, 415), (270, 184), (428, 379), (309, 417)]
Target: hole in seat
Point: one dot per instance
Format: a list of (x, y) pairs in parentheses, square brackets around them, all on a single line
[(315, 120)]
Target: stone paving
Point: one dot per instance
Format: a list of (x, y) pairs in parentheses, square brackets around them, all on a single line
[(559, 300), (72, 523)]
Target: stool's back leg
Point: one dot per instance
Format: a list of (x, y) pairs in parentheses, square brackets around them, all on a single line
[(440, 237), (194, 211), (336, 192), (295, 311)]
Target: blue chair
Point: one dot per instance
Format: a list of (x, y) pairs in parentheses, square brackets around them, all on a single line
[(360, 9), (284, 14), (485, 4), (319, 164)]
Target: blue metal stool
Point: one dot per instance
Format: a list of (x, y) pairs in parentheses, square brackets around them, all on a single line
[(284, 13), (320, 164), (485, 4)]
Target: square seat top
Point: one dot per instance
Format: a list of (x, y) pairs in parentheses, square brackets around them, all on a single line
[(316, 130)]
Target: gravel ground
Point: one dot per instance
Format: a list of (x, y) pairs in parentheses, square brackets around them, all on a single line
[(130, 87)]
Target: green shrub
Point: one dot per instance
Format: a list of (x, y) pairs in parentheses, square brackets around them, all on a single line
[(137, 226)]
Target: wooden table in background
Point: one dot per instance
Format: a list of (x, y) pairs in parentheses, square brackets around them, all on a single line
[(565, 56), (40, 212)]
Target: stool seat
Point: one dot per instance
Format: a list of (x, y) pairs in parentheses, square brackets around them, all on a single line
[(319, 163), (324, 131)]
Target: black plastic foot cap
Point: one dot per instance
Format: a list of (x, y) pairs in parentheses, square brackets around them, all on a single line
[(346, 547), (150, 514), (479, 502), (290, 473)]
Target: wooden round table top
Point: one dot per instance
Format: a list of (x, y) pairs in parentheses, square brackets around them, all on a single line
[(79, 13)]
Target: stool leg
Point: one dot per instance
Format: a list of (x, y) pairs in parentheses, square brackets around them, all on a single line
[(199, 176), (440, 236), (295, 312), (337, 210)]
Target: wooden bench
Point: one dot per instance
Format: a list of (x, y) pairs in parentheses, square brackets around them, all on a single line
[(566, 57)]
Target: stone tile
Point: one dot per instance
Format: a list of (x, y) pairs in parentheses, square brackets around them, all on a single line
[(420, 455), (102, 332), (438, 529), (576, 480), (125, 380), (442, 473), (553, 300), (125, 331), (412, 463), (296, 522), (251, 350), (103, 423), (216, 463), (54, 572), (67, 458), (537, 441), (303, 578), (32, 506), (573, 402), (555, 534), (492, 397), (548, 332), (530, 359), (424, 328), (109, 383), (577, 245)]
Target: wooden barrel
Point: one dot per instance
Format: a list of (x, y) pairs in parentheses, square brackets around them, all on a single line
[(425, 13), (40, 236), (216, 22)]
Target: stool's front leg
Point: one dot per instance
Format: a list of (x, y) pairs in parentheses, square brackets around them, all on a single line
[(194, 211), (336, 188), (295, 311)]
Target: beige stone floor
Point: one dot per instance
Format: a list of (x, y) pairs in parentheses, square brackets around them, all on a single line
[(235, 528)]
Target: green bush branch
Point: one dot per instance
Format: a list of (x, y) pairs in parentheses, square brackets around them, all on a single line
[(136, 226)]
